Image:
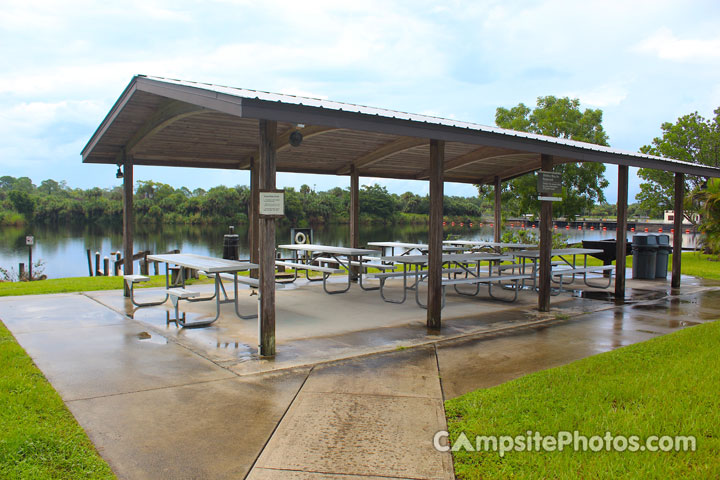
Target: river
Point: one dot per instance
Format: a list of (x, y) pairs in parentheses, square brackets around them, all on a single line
[(63, 248)]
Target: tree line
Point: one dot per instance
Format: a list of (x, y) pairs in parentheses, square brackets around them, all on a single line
[(54, 202)]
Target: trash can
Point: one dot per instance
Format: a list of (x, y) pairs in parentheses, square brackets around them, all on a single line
[(663, 252), (644, 249), (231, 245)]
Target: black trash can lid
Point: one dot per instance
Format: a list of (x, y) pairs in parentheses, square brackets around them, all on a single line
[(644, 240), (663, 239)]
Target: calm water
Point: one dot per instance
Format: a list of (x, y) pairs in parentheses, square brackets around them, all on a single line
[(63, 249)]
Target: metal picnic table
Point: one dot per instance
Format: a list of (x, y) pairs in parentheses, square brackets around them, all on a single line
[(344, 257), (461, 261), (496, 246), (389, 247), (563, 253), (212, 267)]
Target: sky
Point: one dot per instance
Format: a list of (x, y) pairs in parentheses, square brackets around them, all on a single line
[(65, 64)]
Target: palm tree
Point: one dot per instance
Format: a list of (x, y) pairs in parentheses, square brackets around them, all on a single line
[(710, 225)]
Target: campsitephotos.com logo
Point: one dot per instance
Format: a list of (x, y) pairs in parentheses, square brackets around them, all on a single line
[(537, 442)]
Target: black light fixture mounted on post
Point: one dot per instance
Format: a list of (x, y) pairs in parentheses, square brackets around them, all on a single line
[(119, 173)]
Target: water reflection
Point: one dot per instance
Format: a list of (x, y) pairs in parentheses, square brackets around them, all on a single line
[(63, 248)]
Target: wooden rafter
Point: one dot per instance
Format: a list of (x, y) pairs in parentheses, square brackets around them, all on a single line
[(169, 113), (477, 155), (283, 141), (512, 172), (383, 152)]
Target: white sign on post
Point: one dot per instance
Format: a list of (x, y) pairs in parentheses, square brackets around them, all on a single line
[(29, 240), (272, 203)]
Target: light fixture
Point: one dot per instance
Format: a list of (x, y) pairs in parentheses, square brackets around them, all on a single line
[(296, 138), (119, 173)]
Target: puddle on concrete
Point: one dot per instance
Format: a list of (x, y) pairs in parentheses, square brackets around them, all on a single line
[(632, 296), (681, 323)]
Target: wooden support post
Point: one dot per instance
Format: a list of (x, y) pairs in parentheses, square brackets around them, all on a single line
[(498, 212), (266, 292), (354, 214), (545, 272), (128, 219), (435, 235), (254, 232), (677, 236), (621, 233), (98, 273)]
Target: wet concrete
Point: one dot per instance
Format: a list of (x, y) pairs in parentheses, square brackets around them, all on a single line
[(358, 394), (204, 430), (344, 422)]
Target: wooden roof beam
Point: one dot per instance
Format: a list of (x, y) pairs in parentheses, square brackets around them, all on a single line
[(477, 155), (283, 141), (511, 173), (383, 152), (169, 113)]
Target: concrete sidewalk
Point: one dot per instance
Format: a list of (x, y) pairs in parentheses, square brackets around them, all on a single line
[(157, 408)]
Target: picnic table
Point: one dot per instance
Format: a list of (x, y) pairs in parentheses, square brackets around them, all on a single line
[(567, 266), (482, 244), (389, 247), (212, 267), (459, 264), (343, 257)]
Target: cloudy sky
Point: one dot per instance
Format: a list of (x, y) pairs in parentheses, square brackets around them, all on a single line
[(65, 63)]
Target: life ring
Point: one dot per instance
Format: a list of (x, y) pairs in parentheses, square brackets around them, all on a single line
[(300, 238)]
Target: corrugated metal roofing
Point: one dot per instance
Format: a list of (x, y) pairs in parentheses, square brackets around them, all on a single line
[(349, 107), (170, 122)]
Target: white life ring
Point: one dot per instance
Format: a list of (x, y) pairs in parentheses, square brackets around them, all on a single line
[(300, 238)]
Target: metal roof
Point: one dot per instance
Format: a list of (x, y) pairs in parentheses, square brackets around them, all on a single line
[(170, 122)]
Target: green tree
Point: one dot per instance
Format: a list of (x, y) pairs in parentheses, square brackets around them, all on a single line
[(583, 183), (691, 139), (23, 202)]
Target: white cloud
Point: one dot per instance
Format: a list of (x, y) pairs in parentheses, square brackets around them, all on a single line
[(601, 95), (667, 46)]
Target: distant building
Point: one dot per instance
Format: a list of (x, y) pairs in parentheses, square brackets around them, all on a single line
[(670, 217)]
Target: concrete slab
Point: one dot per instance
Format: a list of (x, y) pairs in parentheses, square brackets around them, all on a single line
[(373, 416), (37, 313), (406, 373), (206, 430), (270, 474), (350, 434), (97, 361)]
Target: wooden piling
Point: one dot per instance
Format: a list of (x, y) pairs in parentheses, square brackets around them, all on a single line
[(89, 259)]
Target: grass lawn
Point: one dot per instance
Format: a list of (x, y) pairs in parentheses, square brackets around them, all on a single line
[(39, 437), (665, 386), (80, 284)]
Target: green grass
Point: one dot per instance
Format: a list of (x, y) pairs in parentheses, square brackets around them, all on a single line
[(79, 284), (39, 438), (665, 386)]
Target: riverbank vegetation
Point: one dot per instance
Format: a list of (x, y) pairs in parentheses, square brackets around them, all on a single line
[(55, 202)]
